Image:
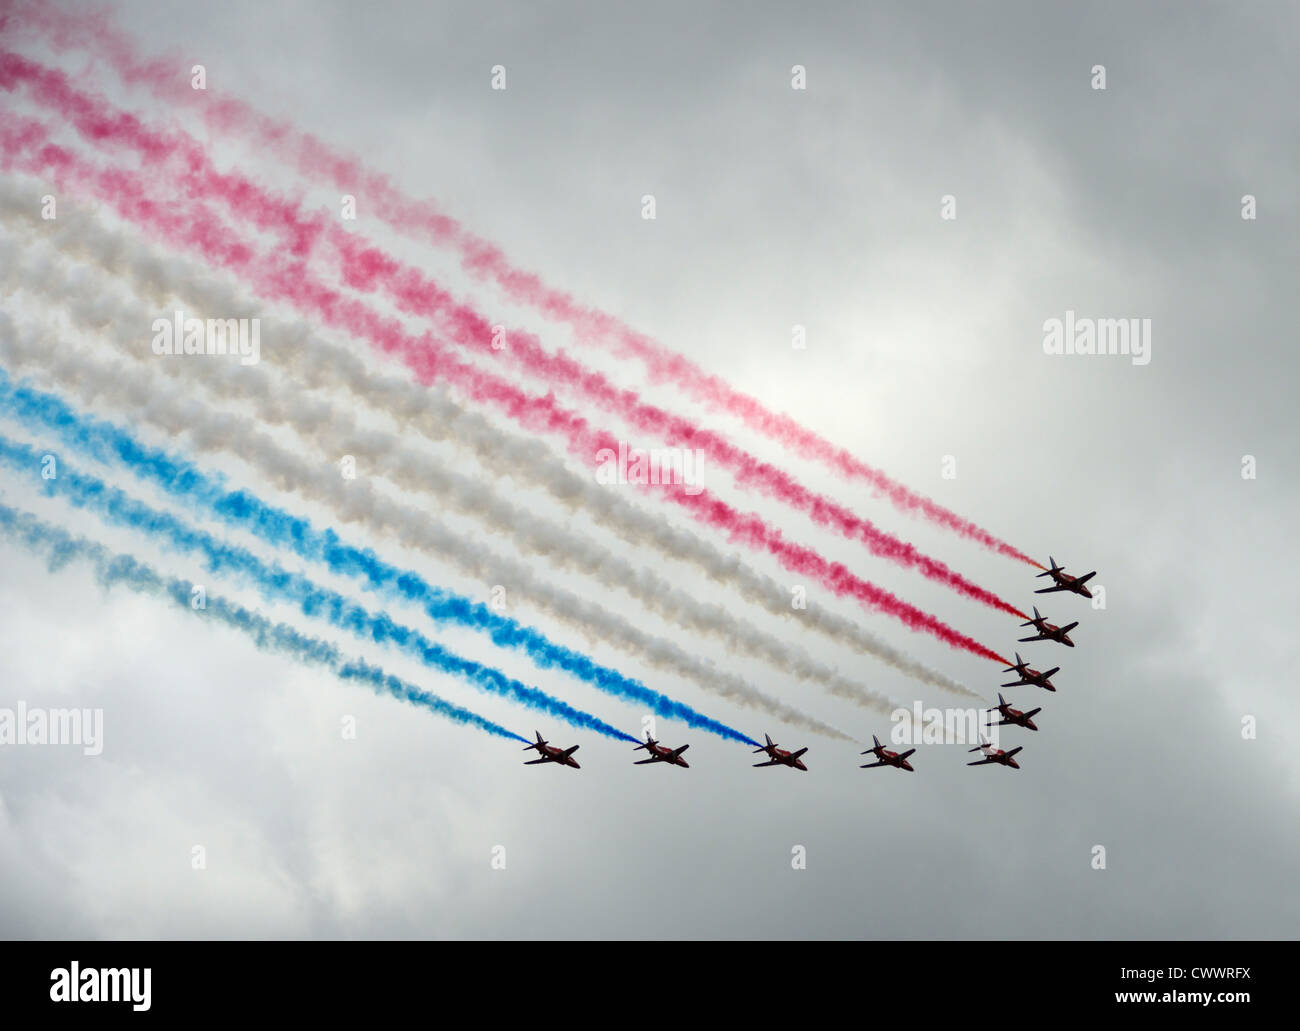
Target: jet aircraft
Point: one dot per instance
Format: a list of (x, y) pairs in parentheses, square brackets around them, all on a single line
[(1029, 676), (551, 754), (995, 755), (886, 757), (1013, 717), (1063, 581), (661, 753), (1049, 631), (781, 757)]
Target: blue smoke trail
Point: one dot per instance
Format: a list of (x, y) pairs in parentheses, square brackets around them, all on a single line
[(59, 548), (183, 480), (276, 583)]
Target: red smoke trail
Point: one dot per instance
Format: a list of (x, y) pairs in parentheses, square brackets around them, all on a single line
[(317, 160), (365, 267), (192, 225)]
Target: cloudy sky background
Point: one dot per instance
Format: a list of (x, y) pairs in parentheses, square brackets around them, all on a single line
[(775, 207)]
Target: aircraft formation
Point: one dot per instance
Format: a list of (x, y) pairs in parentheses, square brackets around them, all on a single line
[(1010, 717)]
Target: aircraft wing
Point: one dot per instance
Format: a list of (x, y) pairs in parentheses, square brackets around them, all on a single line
[(679, 751), (872, 766), (1013, 751), (1052, 590), (534, 762), (645, 761), (770, 762), (569, 751), (795, 755), (1039, 637), (1068, 627), (1086, 577), (982, 762)]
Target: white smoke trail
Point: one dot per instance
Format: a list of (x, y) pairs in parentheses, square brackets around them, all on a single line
[(95, 382), (332, 431), (320, 364)]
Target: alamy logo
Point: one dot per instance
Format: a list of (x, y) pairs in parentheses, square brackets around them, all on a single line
[(37, 726), (102, 984), (1093, 337), (921, 726), (665, 465), (237, 338)]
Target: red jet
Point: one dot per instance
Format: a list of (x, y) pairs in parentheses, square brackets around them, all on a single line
[(995, 755), (1030, 676), (662, 753), (887, 758), (780, 757), (551, 754), (1013, 717), (1049, 631), (1063, 581)]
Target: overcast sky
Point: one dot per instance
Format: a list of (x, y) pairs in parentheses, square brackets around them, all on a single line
[(775, 207)]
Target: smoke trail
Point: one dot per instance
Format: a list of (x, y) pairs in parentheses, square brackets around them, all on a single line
[(273, 582), (422, 220), (365, 267), (93, 308), (195, 227), (59, 548), (319, 363), (353, 500)]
